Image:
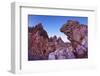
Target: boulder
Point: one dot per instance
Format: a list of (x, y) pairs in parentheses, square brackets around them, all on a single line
[(62, 53), (77, 34)]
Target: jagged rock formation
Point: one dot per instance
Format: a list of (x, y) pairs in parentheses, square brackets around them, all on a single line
[(37, 42), (43, 47), (77, 34), (40, 45)]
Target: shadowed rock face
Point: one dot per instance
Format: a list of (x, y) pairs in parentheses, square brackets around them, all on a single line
[(77, 34)]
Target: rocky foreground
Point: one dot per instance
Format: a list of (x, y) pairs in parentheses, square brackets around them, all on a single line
[(43, 47)]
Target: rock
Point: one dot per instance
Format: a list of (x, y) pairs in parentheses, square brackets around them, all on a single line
[(52, 56), (43, 47), (37, 42), (62, 53), (60, 41), (77, 34)]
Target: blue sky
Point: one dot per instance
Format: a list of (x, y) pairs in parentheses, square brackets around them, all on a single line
[(52, 24)]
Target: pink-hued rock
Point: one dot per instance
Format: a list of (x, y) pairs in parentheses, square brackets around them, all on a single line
[(37, 42), (43, 47), (77, 34)]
